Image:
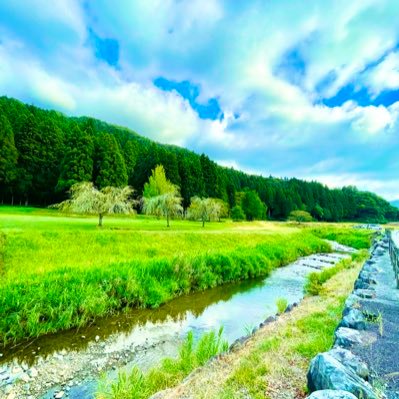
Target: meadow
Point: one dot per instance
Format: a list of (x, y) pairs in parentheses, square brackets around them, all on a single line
[(60, 272)]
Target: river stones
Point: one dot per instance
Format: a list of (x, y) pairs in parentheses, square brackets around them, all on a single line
[(326, 372), (354, 319), (331, 394)]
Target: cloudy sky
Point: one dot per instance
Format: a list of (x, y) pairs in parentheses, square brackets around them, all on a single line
[(289, 88)]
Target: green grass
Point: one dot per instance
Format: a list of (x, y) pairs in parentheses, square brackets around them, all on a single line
[(137, 385), (345, 234), (315, 280), (281, 304), (60, 271)]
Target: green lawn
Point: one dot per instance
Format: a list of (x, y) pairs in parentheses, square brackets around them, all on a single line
[(63, 271)]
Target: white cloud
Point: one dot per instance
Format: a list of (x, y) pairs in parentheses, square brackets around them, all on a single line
[(234, 52), (385, 76)]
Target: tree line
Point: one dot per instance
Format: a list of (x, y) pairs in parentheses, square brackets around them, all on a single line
[(43, 153)]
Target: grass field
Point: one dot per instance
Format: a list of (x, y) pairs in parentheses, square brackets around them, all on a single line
[(59, 271)]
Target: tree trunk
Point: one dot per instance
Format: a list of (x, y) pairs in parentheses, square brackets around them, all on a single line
[(100, 220), (12, 199), (203, 222), (167, 220)]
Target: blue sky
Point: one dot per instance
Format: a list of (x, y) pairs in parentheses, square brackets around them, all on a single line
[(266, 86)]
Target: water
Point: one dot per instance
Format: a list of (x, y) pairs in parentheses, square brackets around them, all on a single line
[(151, 334)]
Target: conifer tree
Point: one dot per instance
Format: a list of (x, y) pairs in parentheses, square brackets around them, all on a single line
[(77, 164), (110, 165), (8, 155)]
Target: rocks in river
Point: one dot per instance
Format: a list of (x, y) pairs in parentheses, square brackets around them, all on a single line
[(59, 395), (97, 338), (354, 319), (348, 359), (326, 372), (331, 394)]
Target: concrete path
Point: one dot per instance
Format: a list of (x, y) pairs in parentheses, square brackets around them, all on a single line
[(382, 355)]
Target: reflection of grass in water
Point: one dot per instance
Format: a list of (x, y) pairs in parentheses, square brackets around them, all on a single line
[(137, 385), (63, 272)]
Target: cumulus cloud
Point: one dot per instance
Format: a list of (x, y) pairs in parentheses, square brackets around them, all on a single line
[(269, 65), (384, 76)]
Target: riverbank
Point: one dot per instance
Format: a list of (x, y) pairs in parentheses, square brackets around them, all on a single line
[(72, 361), (274, 362), (63, 272)]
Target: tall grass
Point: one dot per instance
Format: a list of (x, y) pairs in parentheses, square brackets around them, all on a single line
[(62, 272), (315, 280), (40, 303), (137, 385), (355, 238)]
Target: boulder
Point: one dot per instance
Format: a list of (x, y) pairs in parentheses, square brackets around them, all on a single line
[(361, 284), (354, 319), (347, 337), (348, 359), (368, 277), (326, 372), (365, 293), (331, 394)]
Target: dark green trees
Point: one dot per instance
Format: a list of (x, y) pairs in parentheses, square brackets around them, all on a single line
[(77, 162), (252, 206), (8, 156), (110, 168)]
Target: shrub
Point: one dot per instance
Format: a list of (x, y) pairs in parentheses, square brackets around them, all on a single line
[(237, 214), (300, 216)]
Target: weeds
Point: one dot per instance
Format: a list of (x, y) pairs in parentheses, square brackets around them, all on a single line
[(139, 385), (282, 305), (315, 280)]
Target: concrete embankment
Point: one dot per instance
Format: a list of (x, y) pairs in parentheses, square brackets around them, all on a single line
[(364, 361)]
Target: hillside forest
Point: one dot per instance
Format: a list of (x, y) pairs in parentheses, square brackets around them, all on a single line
[(43, 153)]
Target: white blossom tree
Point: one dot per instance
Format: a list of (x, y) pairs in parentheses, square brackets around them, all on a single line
[(205, 209), (87, 199)]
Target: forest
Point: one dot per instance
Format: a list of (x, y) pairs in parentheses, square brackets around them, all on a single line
[(43, 153)]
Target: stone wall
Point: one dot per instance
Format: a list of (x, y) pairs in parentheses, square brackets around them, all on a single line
[(339, 373)]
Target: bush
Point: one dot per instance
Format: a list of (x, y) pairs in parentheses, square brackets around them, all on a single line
[(300, 216), (237, 214)]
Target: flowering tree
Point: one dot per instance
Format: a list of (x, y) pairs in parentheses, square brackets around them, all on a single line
[(87, 199)]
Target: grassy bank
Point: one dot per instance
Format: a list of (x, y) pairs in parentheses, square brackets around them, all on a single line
[(61, 272), (344, 234), (316, 280), (137, 385), (274, 363)]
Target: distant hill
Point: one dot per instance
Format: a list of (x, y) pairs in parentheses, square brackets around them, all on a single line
[(43, 152), (395, 203)]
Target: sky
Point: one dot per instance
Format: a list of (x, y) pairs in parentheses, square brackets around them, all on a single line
[(306, 89)]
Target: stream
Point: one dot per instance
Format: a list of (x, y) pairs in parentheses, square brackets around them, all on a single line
[(68, 364)]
